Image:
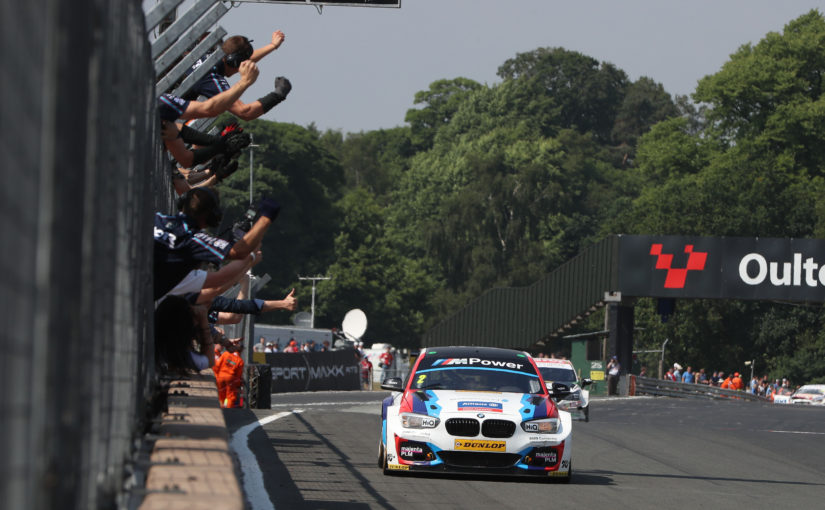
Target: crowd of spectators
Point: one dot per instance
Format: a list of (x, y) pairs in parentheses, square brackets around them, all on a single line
[(761, 386), (193, 267)]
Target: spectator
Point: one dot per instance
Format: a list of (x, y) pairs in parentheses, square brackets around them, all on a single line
[(702, 377), (292, 346), (260, 346), (643, 371), (613, 371), (366, 373), (677, 371), (386, 359), (229, 374), (688, 376), (271, 347), (238, 49)]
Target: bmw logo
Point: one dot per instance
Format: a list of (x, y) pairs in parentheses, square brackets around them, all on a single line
[(480, 415)]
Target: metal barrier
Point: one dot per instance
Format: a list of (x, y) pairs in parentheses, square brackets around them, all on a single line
[(652, 386)]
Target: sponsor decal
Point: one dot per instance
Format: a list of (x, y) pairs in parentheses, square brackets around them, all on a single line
[(398, 467), (287, 373), (474, 406), (407, 451), (565, 464), (550, 457), (476, 362), (476, 445), (676, 277), (557, 473)]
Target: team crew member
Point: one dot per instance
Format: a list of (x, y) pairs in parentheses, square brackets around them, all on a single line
[(172, 107), (237, 50), (181, 245)]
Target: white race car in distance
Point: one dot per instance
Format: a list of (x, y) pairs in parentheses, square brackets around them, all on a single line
[(577, 402), (474, 410)]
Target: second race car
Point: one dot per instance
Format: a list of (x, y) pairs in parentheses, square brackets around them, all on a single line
[(577, 402), (474, 410)]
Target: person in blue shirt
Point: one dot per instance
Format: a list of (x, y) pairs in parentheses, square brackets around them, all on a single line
[(688, 376)]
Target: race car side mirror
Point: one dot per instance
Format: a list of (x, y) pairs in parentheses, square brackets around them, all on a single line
[(392, 384), (586, 382), (560, 390)]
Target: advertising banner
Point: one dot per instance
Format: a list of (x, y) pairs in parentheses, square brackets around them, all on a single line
[(722, 267), (314, 371)]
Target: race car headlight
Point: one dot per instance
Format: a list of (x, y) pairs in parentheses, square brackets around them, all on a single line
[(564, 405), (544, 426), (418, 421)]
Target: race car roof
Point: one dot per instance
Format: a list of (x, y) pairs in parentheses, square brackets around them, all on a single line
[(443, 357), (553, 362)]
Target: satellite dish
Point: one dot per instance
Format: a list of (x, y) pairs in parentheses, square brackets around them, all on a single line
[(355, 324), (303, 319)]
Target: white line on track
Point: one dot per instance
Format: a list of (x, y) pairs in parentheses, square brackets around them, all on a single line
[(329, 404), (796, 432), (253, 479)]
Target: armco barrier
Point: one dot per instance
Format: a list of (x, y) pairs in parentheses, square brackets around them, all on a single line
[(652, 386)]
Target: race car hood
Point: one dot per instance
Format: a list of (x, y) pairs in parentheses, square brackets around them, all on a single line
[(454, 403)]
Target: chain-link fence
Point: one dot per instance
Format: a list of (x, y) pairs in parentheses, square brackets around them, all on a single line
[(80, 159)]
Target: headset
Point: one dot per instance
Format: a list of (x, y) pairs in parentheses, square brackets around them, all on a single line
[(234, 59)]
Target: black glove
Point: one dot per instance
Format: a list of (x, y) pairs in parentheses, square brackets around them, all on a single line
[(269, 208), (282, 86)]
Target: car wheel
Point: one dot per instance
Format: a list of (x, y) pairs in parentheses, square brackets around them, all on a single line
[(569, 476), (382, 458), (587, 414)]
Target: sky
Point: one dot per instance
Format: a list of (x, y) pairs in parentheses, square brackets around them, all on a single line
[(357, 69)]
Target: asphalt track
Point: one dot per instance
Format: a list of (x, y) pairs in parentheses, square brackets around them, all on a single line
[(640, 453)]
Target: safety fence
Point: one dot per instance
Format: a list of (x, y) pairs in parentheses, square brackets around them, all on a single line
[(81, 177), (662, 387)]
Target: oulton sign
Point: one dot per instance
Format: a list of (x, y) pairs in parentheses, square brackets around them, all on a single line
[(722, 267)]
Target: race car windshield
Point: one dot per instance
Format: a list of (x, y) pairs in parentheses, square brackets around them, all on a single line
[(561, 375), (475, 379)]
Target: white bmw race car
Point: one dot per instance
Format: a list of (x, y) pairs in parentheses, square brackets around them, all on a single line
[(577, 403), (475, 410)]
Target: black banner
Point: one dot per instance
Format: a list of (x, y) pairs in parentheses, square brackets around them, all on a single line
[(722, 267), (314, 371)]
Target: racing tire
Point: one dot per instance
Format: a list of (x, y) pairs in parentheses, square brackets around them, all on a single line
[(569, 476), (382, 457)]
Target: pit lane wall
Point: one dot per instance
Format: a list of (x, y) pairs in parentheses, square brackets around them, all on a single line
[(80, 157)]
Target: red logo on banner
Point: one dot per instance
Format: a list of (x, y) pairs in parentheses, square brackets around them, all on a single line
[(675, 278)]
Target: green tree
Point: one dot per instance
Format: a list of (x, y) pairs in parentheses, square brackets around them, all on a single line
[(571, 90), (393, 290), (293, 168), (440, 102)]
